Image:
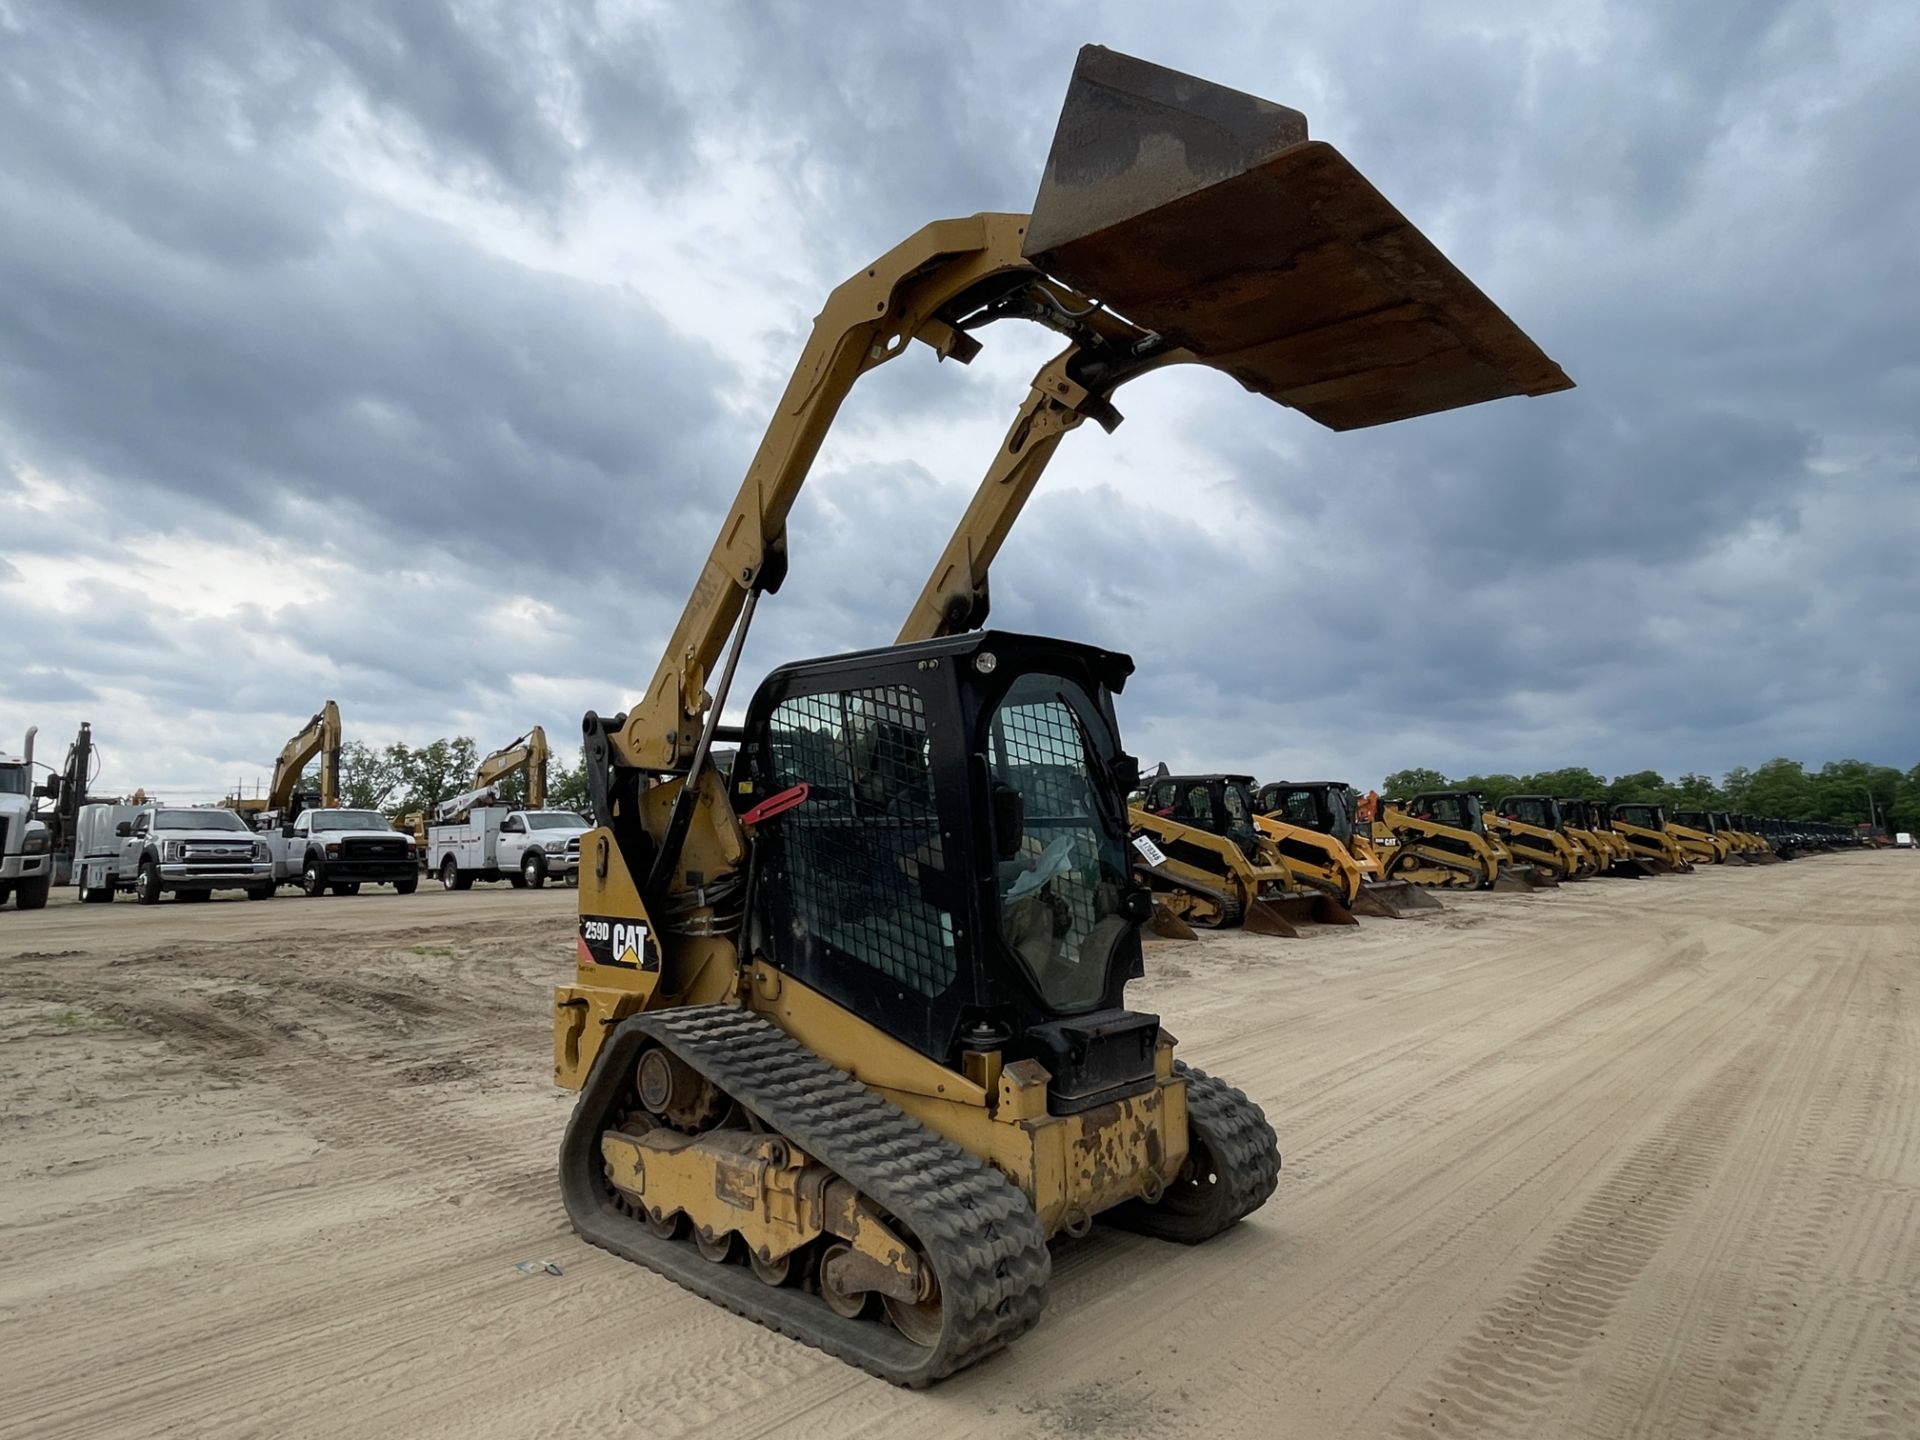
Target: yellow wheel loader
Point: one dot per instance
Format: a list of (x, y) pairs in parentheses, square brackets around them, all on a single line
[(1326, 807), (849, 1024), (1441, 840), (1211, 862), (1530, 827), (1644, 828)]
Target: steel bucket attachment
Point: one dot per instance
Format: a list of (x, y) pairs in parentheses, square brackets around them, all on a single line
[(1208, 216), (1309, 907), (1516, 880), (1262, 918), (1169, 926), (1394, 900)]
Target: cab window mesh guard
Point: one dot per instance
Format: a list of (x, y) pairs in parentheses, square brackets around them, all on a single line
[(864, 852)]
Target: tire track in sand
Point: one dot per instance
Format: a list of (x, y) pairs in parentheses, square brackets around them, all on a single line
[(1499, 1380)]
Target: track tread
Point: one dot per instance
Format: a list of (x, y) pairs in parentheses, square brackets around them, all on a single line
[(978, 1230)]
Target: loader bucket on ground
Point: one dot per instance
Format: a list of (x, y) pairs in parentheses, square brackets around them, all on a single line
[(1263, 919), (1208, 216), (1515, 880), (1169, 926), (1309, 907), (1394, 900)]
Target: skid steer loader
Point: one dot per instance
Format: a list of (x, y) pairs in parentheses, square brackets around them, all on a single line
[(1530, 827), (1644, 828), (1442, 841), (1699, 846), (1758, 846), (1327, 807), (1750, 844), (1702, 841), (849, 1024), (1588, 819), (1212, 862)]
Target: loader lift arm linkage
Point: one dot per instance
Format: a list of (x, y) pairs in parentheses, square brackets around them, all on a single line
[(934, 895)]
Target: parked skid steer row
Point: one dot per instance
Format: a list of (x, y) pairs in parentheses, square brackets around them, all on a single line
[(849, 1026), (1328, 807), (1590, 817), (1644, 828), (1530, 827), (1210, 863), (1442, 841)]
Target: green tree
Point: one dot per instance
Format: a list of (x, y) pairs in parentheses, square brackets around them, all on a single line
[(1697, 792), (567, 789), (435, 772), (1573, 782), (1735, 786), (1780, 788), (1402, 784), (1494, 787), (1642, 787)]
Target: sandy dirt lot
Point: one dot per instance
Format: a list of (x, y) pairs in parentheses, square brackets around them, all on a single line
[(1628, 1159)]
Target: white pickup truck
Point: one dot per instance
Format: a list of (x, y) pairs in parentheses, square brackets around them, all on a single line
[(523, 847), (341, 850), (26, 867), (151, 850)]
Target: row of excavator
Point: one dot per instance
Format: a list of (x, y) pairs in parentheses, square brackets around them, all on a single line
[(1221, 851)]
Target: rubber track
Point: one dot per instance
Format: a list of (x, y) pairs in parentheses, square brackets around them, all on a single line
[(978, 1231), (1245, 1151), (1466, 867)]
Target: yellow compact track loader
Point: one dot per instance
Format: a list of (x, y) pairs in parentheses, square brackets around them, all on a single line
[(1441, 840), (1531, 828), (849, 1023), (1698, 842), (1729, 846), (1209, 860), (1751, 842), (1644, 828), (1327, 807), (1587, 819)]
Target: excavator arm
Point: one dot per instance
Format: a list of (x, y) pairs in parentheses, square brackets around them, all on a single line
[(528, 754), (319, 736)]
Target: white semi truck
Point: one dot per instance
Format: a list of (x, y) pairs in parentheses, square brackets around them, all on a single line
[(153, 850), (26, 842), (526, 848)]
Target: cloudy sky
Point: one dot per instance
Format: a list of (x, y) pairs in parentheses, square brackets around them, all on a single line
[(408, 355)]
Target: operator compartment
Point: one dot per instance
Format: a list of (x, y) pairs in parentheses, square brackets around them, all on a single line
[(957, 874)]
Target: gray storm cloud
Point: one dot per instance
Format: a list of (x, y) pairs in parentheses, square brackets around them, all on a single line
[(432, 340)]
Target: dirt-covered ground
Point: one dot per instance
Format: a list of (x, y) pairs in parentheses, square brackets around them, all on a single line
[(1626, 1159)]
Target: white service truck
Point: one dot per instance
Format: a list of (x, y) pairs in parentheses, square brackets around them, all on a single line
[(151, 850), (26, 843), (523, 847), (322, 849)]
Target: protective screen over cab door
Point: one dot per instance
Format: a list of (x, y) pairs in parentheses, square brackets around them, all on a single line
[(1061, 894)]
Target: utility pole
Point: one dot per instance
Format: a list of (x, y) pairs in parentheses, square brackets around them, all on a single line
[(1872, 818)]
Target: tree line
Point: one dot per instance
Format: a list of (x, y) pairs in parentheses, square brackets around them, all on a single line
[(1837, 792), (400, 779)]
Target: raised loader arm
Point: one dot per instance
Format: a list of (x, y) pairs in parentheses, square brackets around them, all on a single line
[(866, 322)]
